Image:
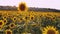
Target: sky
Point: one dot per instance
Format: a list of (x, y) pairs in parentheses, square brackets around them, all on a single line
[(54, 4)]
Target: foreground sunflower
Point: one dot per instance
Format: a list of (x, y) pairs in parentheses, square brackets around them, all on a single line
[(50, 30), (8, 31), (1, 24)]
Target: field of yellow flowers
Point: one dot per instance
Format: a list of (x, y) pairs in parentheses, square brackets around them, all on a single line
[(29, 22), (17, 22)]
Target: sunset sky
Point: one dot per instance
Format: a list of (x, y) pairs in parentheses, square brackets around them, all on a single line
[(55, 4)]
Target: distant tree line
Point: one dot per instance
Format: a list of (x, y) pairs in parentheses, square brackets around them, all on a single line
[(29, 9)]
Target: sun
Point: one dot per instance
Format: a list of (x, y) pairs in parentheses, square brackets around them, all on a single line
[(50, 30)]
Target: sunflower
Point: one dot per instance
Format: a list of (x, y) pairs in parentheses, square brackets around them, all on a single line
[(1, 24), (25, 33), (12, 25), (8, 31), (5, 21), (22, 6), (32, 17), (50, 30), (14, 19)]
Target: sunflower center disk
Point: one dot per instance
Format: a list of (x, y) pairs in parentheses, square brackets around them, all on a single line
[(8, 32), (50, 32), (22, 7), (0, 23)]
